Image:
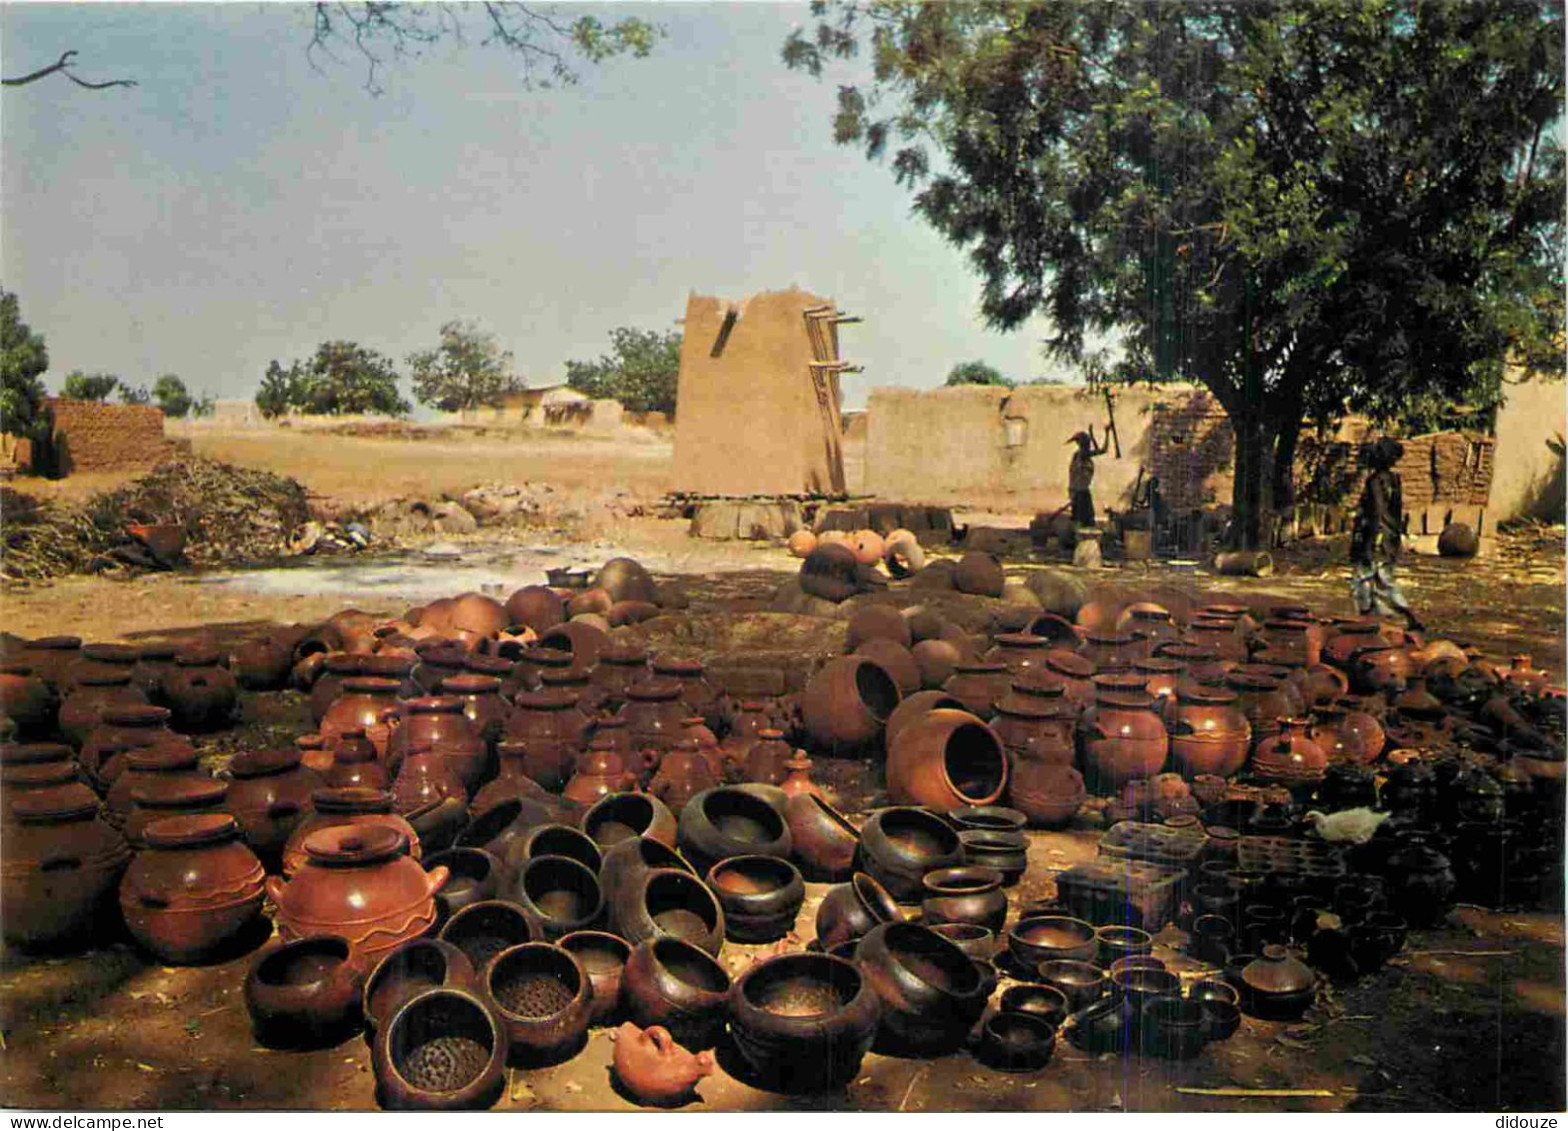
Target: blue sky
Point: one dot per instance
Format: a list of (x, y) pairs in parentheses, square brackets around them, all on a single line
[(240, 205)]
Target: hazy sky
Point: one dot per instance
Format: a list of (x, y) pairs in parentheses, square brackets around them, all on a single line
[(239, 205)]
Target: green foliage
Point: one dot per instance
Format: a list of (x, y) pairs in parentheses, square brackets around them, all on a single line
[(641, 371), (79, 386), (977, 373), (343, 378), (23, 359), (170, 394), (468, 369), (1309, 207)]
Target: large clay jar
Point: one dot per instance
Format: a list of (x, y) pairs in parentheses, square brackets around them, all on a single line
[(354, 763), (1290, 757), (846, 704), (1112, 651), (61, 861), (437, 723), (543, 997), (425, 778), (368, 703), (672, 983), (337, 668), (575, 681), (600, 772), (482, 703), (358, 882), (1220, 635), (965, 894), (655, 715), (152, 768), (96, 660), (898, 846), (201, 692), (946, 760), (849, 911), (194, 888), (1124, 739), (1035, 728), (697, 691), (1048, 793), (765, 759), (724, 822), (438, 661), (1276, 986), (822, 840), (333, 808), (442, 1050), (262, 663), (122, 729), (1300, 640), (26, 699), (1344, 639), (1263, 700), (683, 773), (932, 993), (1420, 882), (804, 1022), (620, 665), (175, 798), (1076, 674), (1340, 743), (1020, 651), (1209, 732), (269, 795), (82, 707), (1150, 623), (979, 685), (1382, 670)]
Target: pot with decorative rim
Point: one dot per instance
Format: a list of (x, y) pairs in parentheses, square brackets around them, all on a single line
[(368, 703), (1209, 733), (1124, 739), (194, 889)]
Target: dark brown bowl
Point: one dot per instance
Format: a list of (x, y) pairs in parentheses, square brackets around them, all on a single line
[(975, 941), (543, 997), (483, 930), (1051, 938), (416, 966), (1116, 942), (1081, 982), (603, 957), (1046, 1002), (303, 994), (1016, 1042)]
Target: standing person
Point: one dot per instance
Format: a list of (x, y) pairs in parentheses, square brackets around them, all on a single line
[(1080, 474), (1375, 538)]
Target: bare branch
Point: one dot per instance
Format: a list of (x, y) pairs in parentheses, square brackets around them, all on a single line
[(63, 66)]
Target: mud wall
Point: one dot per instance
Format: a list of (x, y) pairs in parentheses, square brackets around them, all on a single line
[(93, 436), (1527, 476), (748, 418)]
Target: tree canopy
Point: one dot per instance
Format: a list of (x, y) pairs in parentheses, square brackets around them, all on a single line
[(977, 373), (342, 378), (23, 359), (81, 386), (1308, 207), (467, 370), (641, 370)]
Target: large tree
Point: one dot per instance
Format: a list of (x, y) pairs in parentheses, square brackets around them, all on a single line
[(1310, 208), (977, 373), (23, 359), (342, 378), (641, 370), (79, 386), (466, 371)]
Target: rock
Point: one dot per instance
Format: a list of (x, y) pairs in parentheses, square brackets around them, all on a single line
[(451, 518), (443, 550), (1059, 592), (1458, 541)]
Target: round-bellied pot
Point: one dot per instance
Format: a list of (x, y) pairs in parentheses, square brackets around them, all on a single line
[(359, 882), (965, 894), (61, 862), (655, 716), (194, 889), (262, 663), (1049, 794), (1209, 732), (269, 795), (1050, 938), (201, 692), (121, 730), (544, 998), (656, 1071), (603, 957), (989, 818), (724, 822), (560, 893), (601, 771), (932, 993), (697, 691), (549, 729), (423, 778), (473, 876), (1016, 1042), (412, 968), (978, 943), (334, 808), (1036, 729), (898, 846), (1124, 739), (1290, 757), (437, 724), (483, 930), (625, 864), (626, 816), (503, 828), (81, 708), (672, 983), (912, 707), (1275, 985), (151, 769), (849, 911), (979, 685), (760, 895), (26, 699), (368, 703), (443, 1050), (304, 994), (175, 798), (672, 902), (482, 703), (822, 840), (946, 760), (1115, 942), (846, 704), (804, 1022)]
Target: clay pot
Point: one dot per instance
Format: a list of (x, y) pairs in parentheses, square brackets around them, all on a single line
[(725, 822), (1036, 999), (49, 657), (655, 715), (804, 1022), (672, 983), (896, 660), (502, 830), (1112, 651), (98, 660), (979, 573), (798, 780), (932, 993), (175, 797), (26, 699), (1050, 794), (936, 661), (1209, 733), (557, 840), (304, 994), (801, 542), (482, 702), (1019, 651), (411, 969), (1343, 639), (1051, 938), (82, 708), (354, 763), (473, 876), (36, 767), (1291, 757), (1342, 746), (1382, 670), (483, 930), (622, 816), (153, 769), (194, 889), (338, 667), (543, 997), (965, 894), (830, 572), (979, 685), (627, 863), (822, 840), (532, 663), (1036, 728), (1420, 883), (1124, 739), (849, 911), (442, 1050), (683, 773), (760, 895), (583, 640), (1276, 986), (121, 730), (61, 861), (424, 778), (437, 724), (912, 707), (620, 666), (270, 795), (898, 846), (561, 894), (368, 703), (877, 622), (600, 773), (536, 606), (201, 693), (358, 882), (846, 704), (945, 760), (656, 1070), (332, 808), (603, 959), (1264, 700), (262, 663)]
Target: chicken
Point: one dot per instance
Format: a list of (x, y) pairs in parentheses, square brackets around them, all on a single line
[(1348, 826)]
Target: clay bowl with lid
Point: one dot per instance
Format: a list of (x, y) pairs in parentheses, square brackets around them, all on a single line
[(304, 994), (173, 799)]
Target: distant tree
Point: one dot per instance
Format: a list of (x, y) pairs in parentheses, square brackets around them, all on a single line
[(343, 378), (641, 371), (468, 369), (977, 373), (204, 405), (81, 386), (23, 359), (170, 394), (134, 394)]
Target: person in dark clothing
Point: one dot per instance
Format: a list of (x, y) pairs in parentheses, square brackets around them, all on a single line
[(1376, 536), (1080, 474)]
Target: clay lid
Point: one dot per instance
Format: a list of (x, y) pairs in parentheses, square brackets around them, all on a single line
[(191, 830), (444, 655), (198, 657), (134, 715), (65, 804), (158, 651), (111, 653), (1070, 664), (1121, 683), (159, 759), (352, 799), (979, 667), (1274, 971), (624, 655), (564, 677), (1187, 653), (1159, 665), (654, 690), (348, 846), (471, 684), (311, 742), (260, 763), (1033, 707), (56, 643), (678, 666), (33, 753), (370, 685), (1287, 624), (1224, 610), (182, 793), (547, 657), (1146, 612), (1037, 684), (498, 666), (345, 663), (36, 775), (1128, 700), (1250, 681), (553, 699), (1200, 693), (1021, 640), (1111, 639), (1267, 671), (102, 678)]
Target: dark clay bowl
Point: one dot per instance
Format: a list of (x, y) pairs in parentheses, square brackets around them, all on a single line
[(996, 818), (1211, 989), (974, 940), (1172, 1027), (603, 957), (1080, 982), (304, 993), (1017, 1042), (1139, 984), (483, 930), (761, 895), (1121, 942), (1136, 962), (1051, 938), (1045, 1002), (1220, 1018), (443, 1050), (416, 966)]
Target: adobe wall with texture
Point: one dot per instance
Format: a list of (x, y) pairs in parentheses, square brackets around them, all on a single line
[(1527, 476), (93, 436)]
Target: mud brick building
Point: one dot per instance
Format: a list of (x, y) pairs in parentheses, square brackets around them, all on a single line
[(93, 436)]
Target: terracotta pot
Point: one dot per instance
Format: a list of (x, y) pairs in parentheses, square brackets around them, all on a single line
[(912, 707), (582, 640), (627, 862), (619, 667), (473, 876), (483, 930), (354, 763), (503, 829), (603, 958), (561, 894), (194, 889), (1263, 700), (443, 1050), (1223, 636), (1019, 651), (337, 668), (760, 895), (849, 911), (482, 703), (1421, 883), (1276, 986), (262, 663), (1343, 639), (1291, 757), (619, 817), (543, 997), (725, 822), (61, 861), (655, 715), (1124, 740), (557, 840), (438, 724), (979, 685), (122, 729), (1036, 728), (152, 768), (1005, 852), (1049, 793), (1075, 673), (1209, 733), (822, 840), (367, 703), (1382, 670), (979, 573), (946, 760), (538, 607), (932, 993), (98, 660), (530, 667), (411, 969), (668, 902), (654, 1068), (804, 1022), (424, 778), (798, 779), (898, 846), (964, 894), (846, 704), (335, 808), (672, 983), (269, 795), (304, 994), (175, 797), (1112, 651), (201, 693), (82, 708), (358, 882)]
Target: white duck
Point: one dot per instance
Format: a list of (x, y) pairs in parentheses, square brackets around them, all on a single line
[(1349, 826)]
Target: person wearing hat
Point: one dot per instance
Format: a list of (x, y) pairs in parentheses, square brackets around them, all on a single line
[(1376, 536), (1080, 474)]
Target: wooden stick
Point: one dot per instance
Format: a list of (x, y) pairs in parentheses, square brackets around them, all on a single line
[(1458, 953), (1260, 1093)]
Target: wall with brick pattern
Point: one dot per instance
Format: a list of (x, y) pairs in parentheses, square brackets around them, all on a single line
[(93, 436)]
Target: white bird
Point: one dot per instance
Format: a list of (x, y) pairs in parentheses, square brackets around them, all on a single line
[(1349, 826)]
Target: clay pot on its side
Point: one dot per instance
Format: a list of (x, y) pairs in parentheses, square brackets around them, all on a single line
[(849, 911), (846, 704), (946, 760), (932, 993), (822, 840), (560, 893), (726, 822), (193, 890), (603, 957)]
